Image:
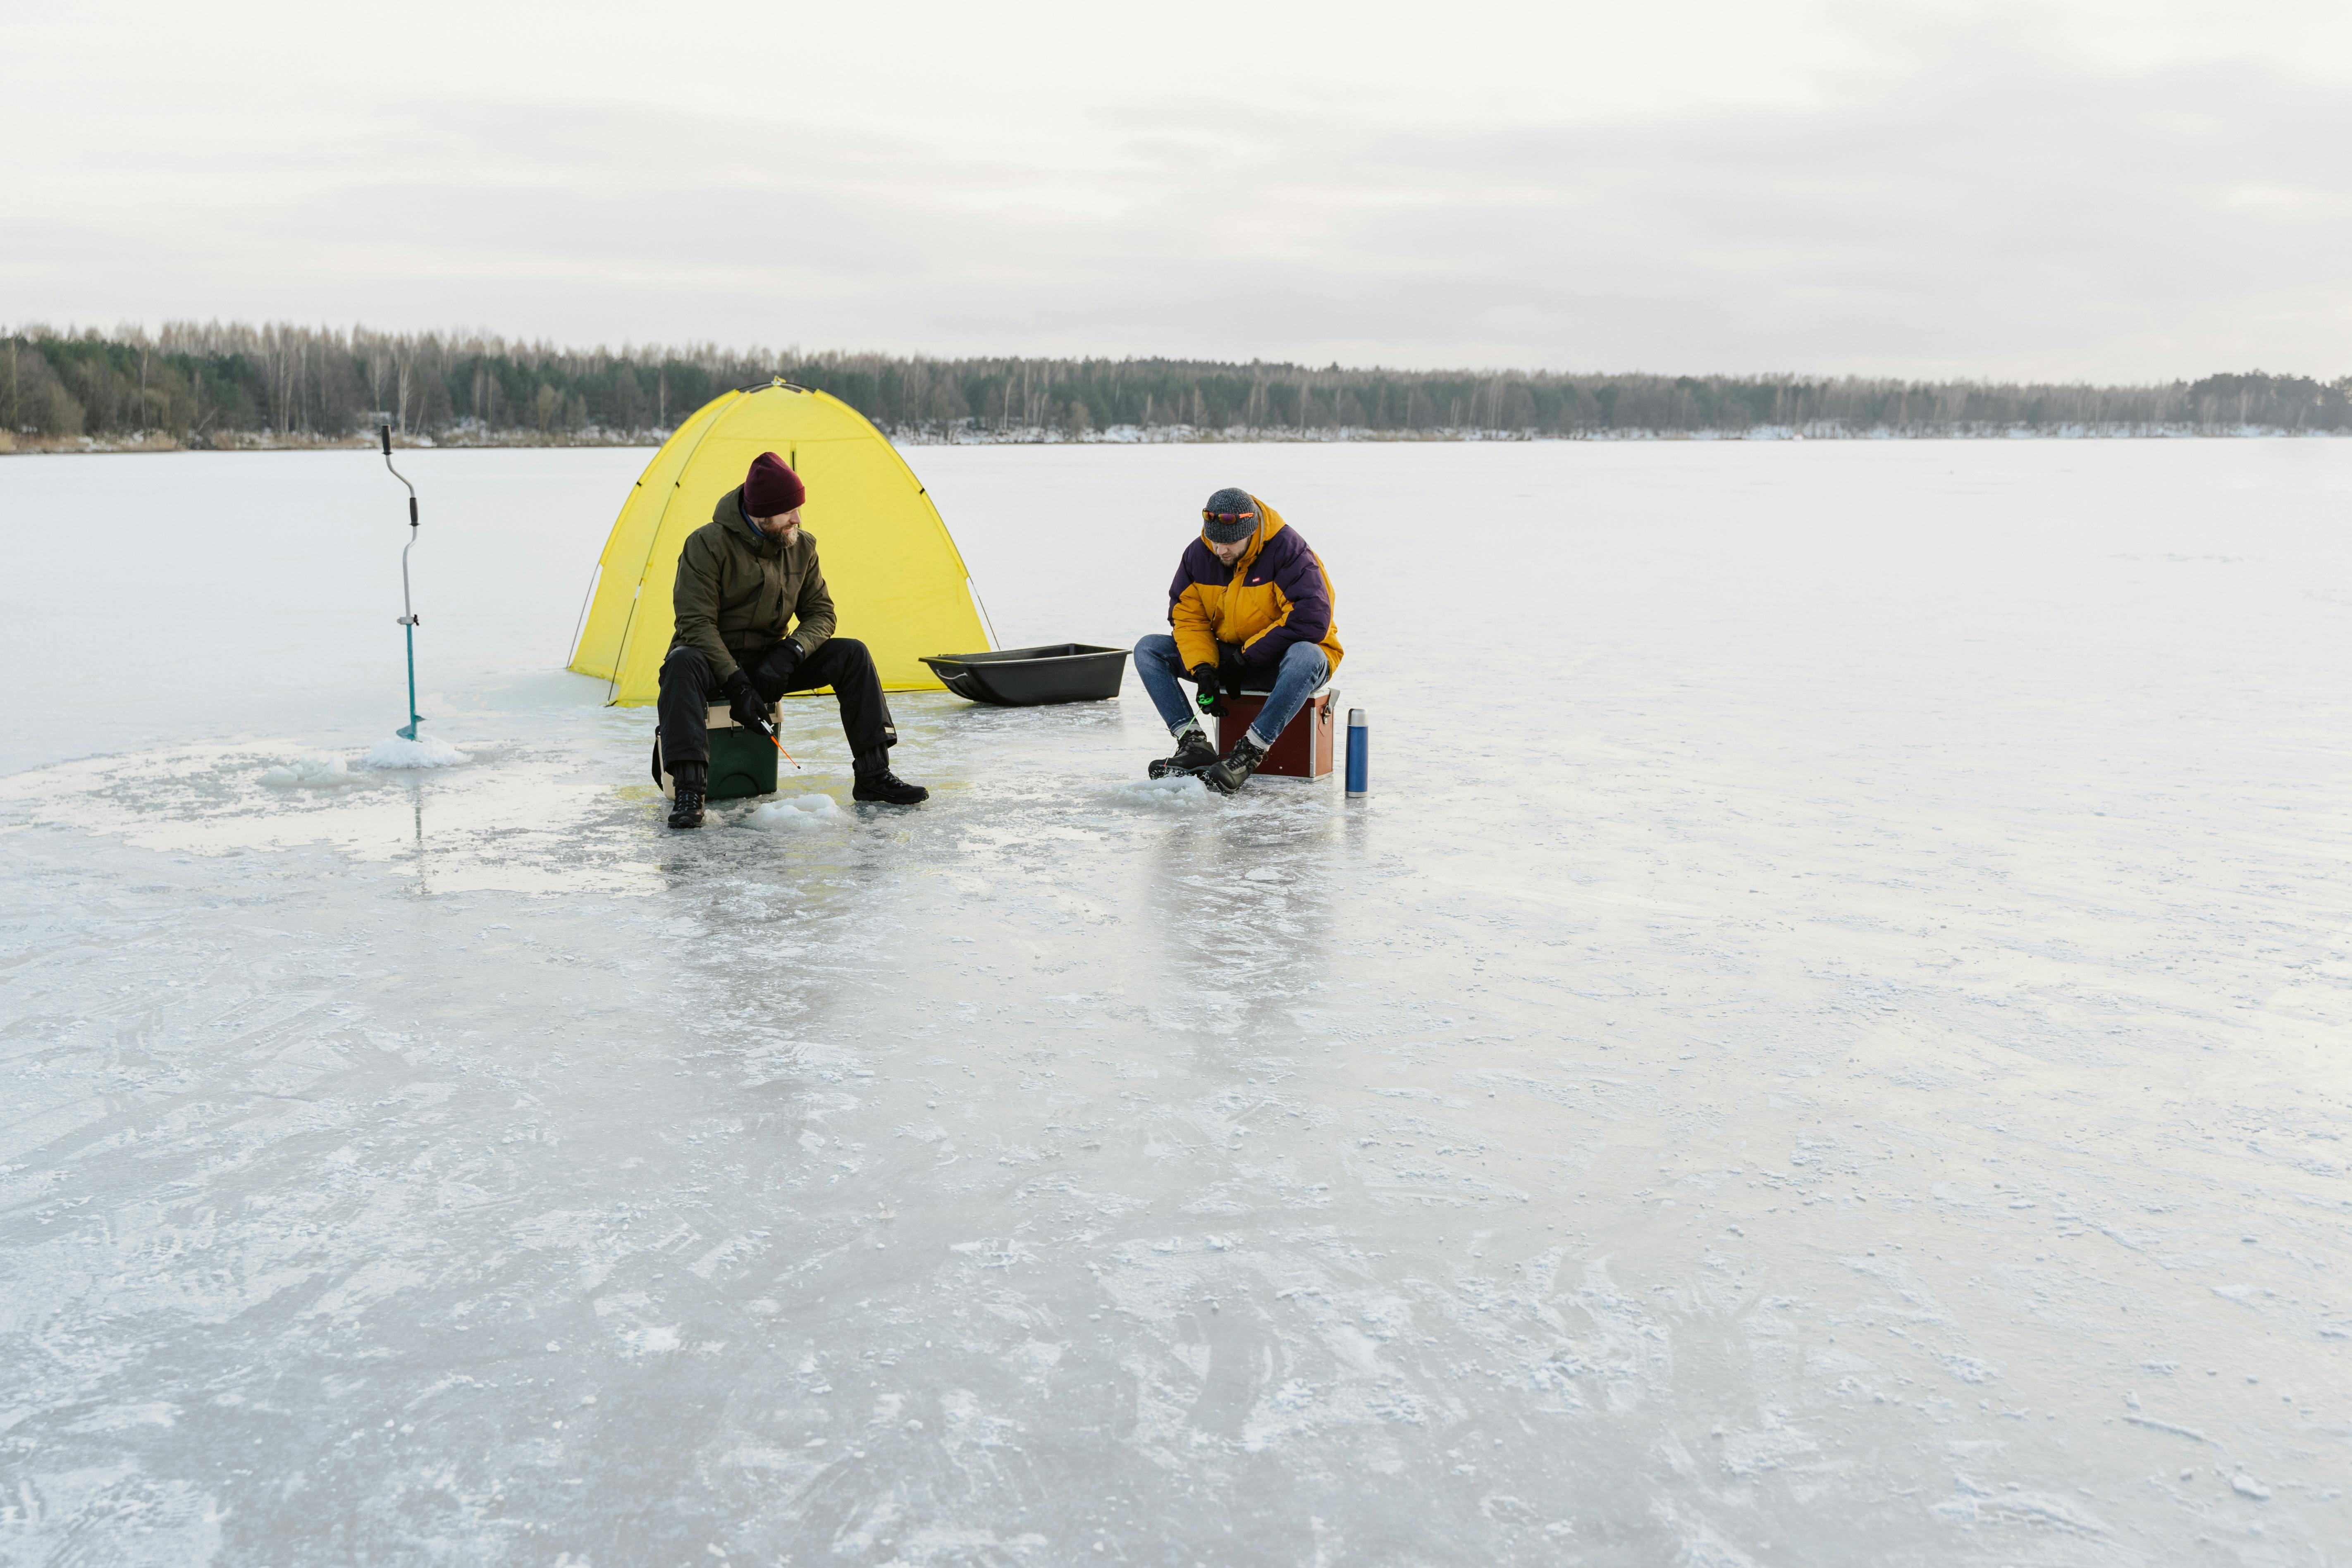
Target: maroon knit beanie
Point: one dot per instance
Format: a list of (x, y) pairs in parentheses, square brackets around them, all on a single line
[(771, 490)]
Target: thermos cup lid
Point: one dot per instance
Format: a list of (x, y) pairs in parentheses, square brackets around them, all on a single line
[(1355, 717)]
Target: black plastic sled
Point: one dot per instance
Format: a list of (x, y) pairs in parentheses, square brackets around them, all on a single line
[(1032, 676)]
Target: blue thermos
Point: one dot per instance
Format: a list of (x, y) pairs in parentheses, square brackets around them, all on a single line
[(1358, 767)]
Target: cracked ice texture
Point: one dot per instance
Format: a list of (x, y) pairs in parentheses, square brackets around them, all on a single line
[(1826, 1044)]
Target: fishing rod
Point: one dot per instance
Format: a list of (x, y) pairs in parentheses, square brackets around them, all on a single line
[(409, 616), (778, 743)]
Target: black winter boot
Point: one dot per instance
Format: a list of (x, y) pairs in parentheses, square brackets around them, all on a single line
[(686, 785), (877, 785), (887, 788), (1194, 752), (1228, 776)]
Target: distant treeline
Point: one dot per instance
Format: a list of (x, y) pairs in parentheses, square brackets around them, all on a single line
[(196, 385)]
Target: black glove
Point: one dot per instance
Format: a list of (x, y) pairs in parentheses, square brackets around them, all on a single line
[(1231, 669), (1204, 676), (787, 654), (744, 703)]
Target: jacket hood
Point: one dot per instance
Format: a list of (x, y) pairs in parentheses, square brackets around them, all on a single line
[(728, 512)]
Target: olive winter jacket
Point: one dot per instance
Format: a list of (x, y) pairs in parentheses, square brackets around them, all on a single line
[(738, 591)]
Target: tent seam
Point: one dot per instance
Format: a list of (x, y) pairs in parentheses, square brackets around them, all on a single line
[(653, 540)]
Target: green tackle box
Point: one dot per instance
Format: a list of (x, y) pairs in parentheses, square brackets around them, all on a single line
[(742, 761)]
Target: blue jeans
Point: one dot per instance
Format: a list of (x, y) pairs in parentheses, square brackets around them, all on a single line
[(1302, 669)]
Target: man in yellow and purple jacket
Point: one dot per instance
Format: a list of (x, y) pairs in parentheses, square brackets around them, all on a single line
[(1251, 608)]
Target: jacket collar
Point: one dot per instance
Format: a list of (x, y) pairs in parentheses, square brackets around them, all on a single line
[(760, 540), (1269, 524)]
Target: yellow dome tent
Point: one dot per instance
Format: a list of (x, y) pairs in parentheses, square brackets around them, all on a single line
[(900, 585)]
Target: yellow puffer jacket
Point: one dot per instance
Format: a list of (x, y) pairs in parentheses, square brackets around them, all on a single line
[(1277, 594)]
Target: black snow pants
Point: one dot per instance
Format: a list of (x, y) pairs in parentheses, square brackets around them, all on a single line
[(689, 689)]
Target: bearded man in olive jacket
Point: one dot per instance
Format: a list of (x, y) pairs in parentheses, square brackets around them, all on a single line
[(754, 622)]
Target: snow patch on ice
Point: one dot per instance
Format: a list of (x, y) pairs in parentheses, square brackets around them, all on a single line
[(796, 814), (427, 752), (314, 772), (1181, 793)]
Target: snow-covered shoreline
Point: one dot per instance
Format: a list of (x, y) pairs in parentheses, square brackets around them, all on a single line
[(1175, 435)]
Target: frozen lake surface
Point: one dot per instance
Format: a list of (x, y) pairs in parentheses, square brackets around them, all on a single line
[(1828, 1044)]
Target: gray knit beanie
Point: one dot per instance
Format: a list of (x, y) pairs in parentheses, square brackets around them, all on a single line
[(1231, 516)]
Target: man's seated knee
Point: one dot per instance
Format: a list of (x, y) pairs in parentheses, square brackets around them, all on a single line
[(685, 664), (840, 661), (1159, 647), (1299, 659)]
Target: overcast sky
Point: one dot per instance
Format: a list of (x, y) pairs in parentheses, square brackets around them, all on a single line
[(2058, 189)]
